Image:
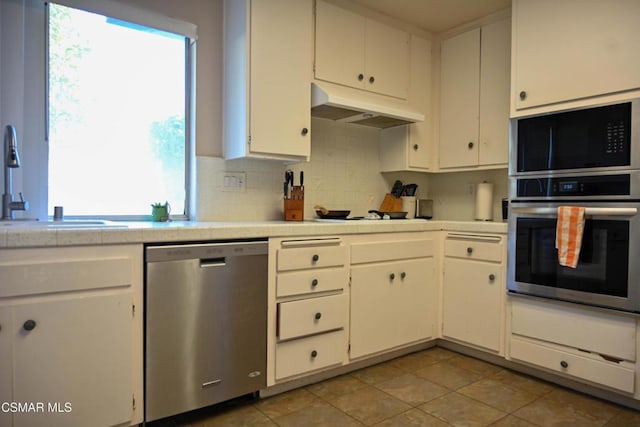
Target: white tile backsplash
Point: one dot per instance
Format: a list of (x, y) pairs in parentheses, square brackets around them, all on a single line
[(343, 174), (453, 193)]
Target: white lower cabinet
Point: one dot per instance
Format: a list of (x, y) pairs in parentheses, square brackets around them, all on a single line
[(70, 338), (473, 289), (589, 344), (393, 292), (308, 306)]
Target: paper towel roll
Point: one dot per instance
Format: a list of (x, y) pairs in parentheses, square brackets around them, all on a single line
[(484, 202), (409, 206)]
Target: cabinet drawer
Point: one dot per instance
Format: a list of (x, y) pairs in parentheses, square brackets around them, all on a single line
[(64, 275), (482, 248), (566, 324), (308, 354), (311, 316), (605, 373), (311, 281), (391, 250), (296, 258)]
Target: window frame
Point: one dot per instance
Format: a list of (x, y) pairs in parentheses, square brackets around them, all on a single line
[(25, 76)]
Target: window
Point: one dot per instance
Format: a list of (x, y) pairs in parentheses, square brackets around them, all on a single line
[(117, 115)]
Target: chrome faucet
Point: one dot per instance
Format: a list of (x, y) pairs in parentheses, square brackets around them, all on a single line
[(11, 161)]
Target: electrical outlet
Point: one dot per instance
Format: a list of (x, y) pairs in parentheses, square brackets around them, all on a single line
[(234, 181)]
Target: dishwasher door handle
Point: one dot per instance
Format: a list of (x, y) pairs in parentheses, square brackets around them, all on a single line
[(213, 262), (210, 383)]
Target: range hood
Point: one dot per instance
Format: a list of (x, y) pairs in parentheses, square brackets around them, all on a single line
[(348, 105)]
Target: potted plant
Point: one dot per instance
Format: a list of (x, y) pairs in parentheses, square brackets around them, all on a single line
[(160, 211)]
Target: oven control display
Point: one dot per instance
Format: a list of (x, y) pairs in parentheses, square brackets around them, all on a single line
[(568, 186)]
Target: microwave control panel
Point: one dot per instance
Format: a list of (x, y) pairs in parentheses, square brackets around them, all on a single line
[(616, 138)]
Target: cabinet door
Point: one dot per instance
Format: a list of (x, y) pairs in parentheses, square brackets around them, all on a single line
[(471, 302), (459, 100), (494, 93), (386, 52), (78, 356), (281, 59), (6, 349), (339, 45), (571, 49), (388, 310)]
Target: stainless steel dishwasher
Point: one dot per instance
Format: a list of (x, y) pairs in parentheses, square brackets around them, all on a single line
[(206, 324)]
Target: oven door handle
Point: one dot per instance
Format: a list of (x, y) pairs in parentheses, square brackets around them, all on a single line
[(587, 211)]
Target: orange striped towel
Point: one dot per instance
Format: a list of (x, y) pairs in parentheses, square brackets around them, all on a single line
[(569, 234)]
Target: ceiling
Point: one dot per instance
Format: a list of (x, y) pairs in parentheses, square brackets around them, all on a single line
[(436, 15)]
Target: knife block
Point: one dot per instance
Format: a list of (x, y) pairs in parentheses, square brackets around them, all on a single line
[(294, 205)]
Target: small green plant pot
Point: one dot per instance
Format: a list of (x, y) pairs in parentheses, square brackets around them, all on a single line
[(160, 212)]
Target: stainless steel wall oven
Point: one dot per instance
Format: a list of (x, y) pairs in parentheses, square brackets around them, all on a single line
[(588, 158)]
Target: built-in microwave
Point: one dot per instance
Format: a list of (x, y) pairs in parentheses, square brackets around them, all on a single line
[(600, 138)]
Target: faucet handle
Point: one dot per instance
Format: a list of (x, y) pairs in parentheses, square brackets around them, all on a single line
[(22, 205)]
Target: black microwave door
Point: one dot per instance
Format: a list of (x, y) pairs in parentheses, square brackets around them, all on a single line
[(590, 138)]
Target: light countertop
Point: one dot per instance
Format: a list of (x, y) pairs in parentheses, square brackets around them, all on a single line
[(20, 235)]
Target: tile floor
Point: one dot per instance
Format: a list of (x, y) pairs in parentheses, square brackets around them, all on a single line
[(435, 387)]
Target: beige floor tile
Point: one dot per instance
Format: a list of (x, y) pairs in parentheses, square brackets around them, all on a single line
[(497, 394), (474, 365), (238, 417), (440, 353), (369, 405), (377, 373), (448, 375), (414, 362), (511, 421), (318, 414), (412, 389), (594, 407), (460, 410), (625, 418), (564, 408), (413, 418), (523, 382), (286, 403), (337, 386)]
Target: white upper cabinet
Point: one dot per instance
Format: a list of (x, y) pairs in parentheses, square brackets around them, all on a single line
[(267, 77), (358, 52), (409, 147), (567, 50), (474, 98), (459, 95)]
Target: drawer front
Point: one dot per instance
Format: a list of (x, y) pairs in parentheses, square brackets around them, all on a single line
[(311, 281), (572, 326), (298, 258), (480, 249), (32, 278), (604, 373), (308, 354), (391, 250), (312, 316)]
